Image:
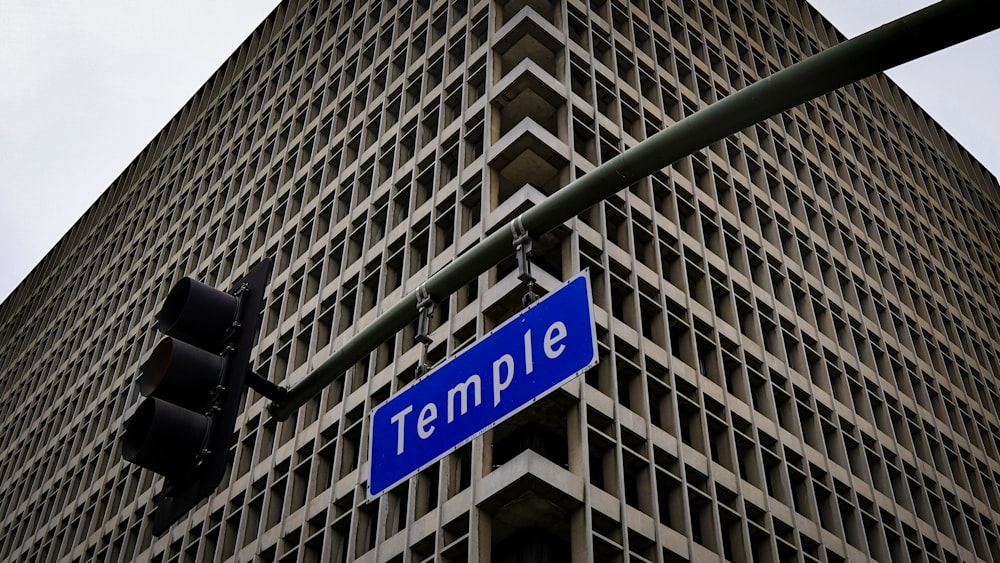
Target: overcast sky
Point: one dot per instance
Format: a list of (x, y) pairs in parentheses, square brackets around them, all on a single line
[(86, 84)]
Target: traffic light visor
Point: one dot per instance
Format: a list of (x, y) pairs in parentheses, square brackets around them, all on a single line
[(199, 315), (164, 438), (182, 374)]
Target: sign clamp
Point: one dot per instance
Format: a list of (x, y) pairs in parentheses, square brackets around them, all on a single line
[(425, 304), (522, 244)]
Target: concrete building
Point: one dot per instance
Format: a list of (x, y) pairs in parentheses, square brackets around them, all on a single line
[(798, 326)]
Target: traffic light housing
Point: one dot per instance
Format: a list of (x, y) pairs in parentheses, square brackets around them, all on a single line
[(192, 383)]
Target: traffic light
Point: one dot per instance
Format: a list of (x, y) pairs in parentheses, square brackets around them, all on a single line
[(192, 383)]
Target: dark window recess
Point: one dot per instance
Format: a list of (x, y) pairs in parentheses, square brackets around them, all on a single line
[(532, 545), (532, 436)]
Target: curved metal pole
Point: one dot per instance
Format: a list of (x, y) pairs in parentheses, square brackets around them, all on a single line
[(934, 28)]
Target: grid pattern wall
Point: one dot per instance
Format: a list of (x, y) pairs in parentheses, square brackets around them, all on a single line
[(798, 326)]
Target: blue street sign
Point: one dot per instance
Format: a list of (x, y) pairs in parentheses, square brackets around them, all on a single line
[(523, 359)]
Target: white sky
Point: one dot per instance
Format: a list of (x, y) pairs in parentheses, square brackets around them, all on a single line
[(86, 84), (959, 87)]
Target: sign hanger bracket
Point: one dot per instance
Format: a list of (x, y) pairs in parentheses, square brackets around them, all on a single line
[(522, 244), (425, 305)]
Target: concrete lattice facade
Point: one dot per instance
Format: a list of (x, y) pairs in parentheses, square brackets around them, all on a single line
[(798, 327)]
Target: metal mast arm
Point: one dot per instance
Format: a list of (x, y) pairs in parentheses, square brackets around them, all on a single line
[(928, 30)]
